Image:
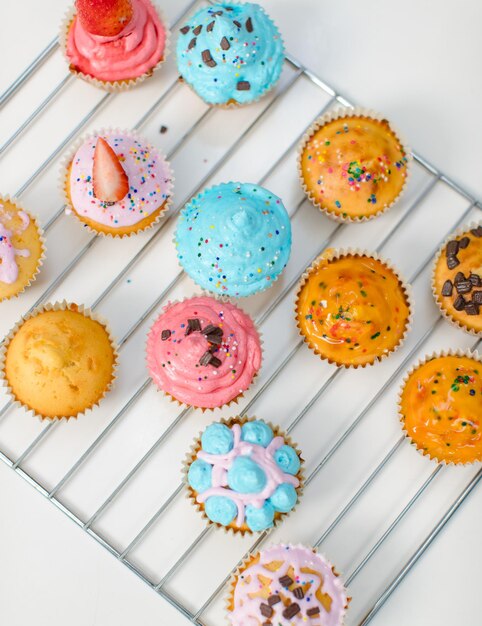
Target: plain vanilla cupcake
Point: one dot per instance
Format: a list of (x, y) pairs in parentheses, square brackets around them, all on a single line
[(234, 239), (114, 43), (116, 183), (203, 352), (230, 53)]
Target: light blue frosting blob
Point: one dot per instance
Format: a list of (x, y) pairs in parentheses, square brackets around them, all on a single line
[(255, 57), (287, 459), (200, 475), (257, 432), (220, 509), (217, 439), (246, 476), (260, 519), (234, 239), (284, 498)]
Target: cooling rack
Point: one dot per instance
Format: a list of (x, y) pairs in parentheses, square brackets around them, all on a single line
[(371, 504)]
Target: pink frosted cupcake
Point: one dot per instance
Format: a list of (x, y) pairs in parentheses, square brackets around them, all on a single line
[(114, 43), (203, 352)]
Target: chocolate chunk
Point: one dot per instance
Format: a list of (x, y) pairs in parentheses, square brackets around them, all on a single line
[(459, 303), (205, 360), (163, 130), (236, 23), (212, 330), (210, 26), (267, 624), (215, 362), (197, 30), (447, 288), (243, 85), (459, 277), (291, 611), (192, 44), (298, 593), (249, 25), (185, 30), (218, 13), (274, 599), (464, 286), (208, 59), (477, 297), (452, 262), (286, 581), (452, 248), (464, 242), (193, 326), (472, 308), (312, 612), (165, 335), (475, 280), (266, 610), (225, 45), (213, 348), (477, 232), (228, 8)]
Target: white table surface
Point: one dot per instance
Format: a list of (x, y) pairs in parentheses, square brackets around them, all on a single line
[(419, 62)]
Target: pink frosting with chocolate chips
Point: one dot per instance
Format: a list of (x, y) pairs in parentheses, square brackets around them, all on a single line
[(174, 354), (149, 177), (130, 54)]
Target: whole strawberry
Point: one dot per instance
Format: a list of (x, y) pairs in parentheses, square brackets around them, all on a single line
[(104, 17)]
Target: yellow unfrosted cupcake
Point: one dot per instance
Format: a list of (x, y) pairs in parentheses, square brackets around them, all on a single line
[(21, 248), (59, 361), (352, 308)]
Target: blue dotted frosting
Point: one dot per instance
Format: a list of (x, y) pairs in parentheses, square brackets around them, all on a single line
[(220, 509), (230, 52), (260, 519), (287, 459), (200, 475), (217, 439), (257, 432), (234, 239)]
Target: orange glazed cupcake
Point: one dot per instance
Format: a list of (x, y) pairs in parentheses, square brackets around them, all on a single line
[(352, 308), (440, 407)]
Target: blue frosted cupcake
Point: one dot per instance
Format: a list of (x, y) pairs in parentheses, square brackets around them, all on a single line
[(234, 239), (244, 474), (230, 53)]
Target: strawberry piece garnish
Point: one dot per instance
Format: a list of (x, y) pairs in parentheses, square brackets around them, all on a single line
[(110, 180), (104, 17)]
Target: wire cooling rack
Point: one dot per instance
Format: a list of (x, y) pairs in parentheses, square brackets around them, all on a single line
[(116, 472)]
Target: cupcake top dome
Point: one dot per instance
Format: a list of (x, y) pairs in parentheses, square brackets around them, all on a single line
[(230, 52), (234, 239)]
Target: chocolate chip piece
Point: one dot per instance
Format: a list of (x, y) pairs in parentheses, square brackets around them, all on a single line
[(213, 348), (267, 624), (208, 59), (205, 359), (477, 297), (291, 611), (464, 242), (197, 30), (472, 308), (464, 286), (249, 25), (215, 362), (459, 303), (236, 23), (274, 599), (218, 13), (243, 85), (192, 44), (452, 262), (193, 326), (266, 610), (163, 130), (165, 335), (210, 26), (447, 288), (312, 612), (475, 280), (185, 30), (459, 277), (225, 45), (228, 9), (298, 593), (211, 332), (452, 248), (477, 232), (286, 581)]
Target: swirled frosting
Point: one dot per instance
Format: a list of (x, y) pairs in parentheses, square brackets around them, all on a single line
[(230, 52), (8, 266), (286, 585), (234, 238), (175, 353), (149, 181), (133, 52)]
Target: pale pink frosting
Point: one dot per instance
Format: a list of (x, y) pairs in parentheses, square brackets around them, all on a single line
[(8, 264), (247, 609), (174, 363), (133, 52), (149, 181)]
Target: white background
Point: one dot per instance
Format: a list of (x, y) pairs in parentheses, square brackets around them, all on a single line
[(420, 62)]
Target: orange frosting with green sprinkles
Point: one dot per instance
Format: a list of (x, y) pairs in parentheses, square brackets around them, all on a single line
[(441, 408), (354, 166), (352, 310)]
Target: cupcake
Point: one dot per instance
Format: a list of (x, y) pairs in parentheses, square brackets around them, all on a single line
[(234, 239), (286, 585), (59, 361), (116, 183), (244, 475), (352, 308), (352, 165), (21, 248), (457, 279), (230, 53), (203, 352), (114, 44), (440, 407)]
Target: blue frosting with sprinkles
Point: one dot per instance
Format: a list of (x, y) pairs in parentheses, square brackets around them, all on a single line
[(234, 239), (230, 51)]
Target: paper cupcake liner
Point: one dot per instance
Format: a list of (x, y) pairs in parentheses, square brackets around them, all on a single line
[(56, 306), (347, 113), (438, 296), (64, 182), (192, 455), (180, 403), (41, 259), (332, 255), (249, 559), (111, 86), (434, 355), (222, 296)]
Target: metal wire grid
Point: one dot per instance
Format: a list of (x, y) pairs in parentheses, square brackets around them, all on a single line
[(16, 464)]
